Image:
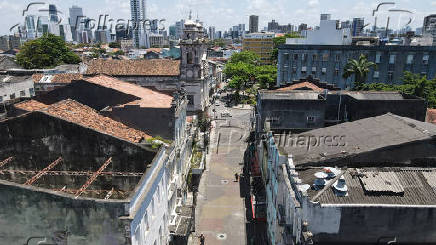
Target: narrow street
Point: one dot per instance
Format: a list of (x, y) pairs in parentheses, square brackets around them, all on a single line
[(220, 212)]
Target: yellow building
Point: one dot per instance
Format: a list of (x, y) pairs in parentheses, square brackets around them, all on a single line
[(261, 44)]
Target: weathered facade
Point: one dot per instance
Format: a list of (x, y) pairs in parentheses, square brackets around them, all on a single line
[(386, 164), (327, 62), (67, 179)]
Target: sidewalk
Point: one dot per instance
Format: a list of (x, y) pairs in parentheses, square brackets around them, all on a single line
[(220, 211)]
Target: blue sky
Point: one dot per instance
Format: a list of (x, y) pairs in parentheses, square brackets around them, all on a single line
[(226, 13)]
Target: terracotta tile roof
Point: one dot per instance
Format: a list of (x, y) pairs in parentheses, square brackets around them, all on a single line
[(156, 50), (431, 116), (58, 78), (75, 112), (156, 67), (308, 85), (147, 97), (30, 105)]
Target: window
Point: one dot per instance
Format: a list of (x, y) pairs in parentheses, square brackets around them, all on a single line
[(294, 69), (190, 99), (376, 74), (325, 57), (337, 72), (303, 69), (314, 57), (313, 70), (310, 119), (304, 57), (189, 58), (378, 58), (390, 75), (1, 98), (392, 59), (31, 91), (338, 57), (409, 59), (295, 56), (12, 96), (425, 59), (324, 71), (22, 93)]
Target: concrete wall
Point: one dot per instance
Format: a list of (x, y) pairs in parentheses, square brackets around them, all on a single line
[(26, 212), (370, 225), (15, 88), (292, 114), (153, 121)]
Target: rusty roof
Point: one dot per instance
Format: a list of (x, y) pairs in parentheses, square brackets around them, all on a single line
[(153, 67), (148, 97), (77, 113), (57, 78), (300, 86)]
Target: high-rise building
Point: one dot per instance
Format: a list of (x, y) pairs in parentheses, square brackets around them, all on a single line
[(241, 28), (30, 27), (138, 12), (273, 26), (76, 13), (180, 25), (430, 27), (326, 16), (212, 33), (302, 27), (254, 23), (219, 34), (53, 13), (260, 43), (357, 27)]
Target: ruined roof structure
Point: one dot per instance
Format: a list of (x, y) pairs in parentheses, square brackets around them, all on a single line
[(69, 149)]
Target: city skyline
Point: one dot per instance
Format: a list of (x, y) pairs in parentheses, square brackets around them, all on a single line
[(225, 14)]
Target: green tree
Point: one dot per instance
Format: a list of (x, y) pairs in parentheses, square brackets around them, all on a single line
[(279, 41), (245, 57), (45, 52), (360, 69), (266, 76), (413, 84), (114, 45)]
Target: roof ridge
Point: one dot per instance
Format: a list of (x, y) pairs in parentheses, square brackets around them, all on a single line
[(410, 124)]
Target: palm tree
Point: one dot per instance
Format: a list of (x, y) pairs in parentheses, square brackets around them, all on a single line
[(358, 68)]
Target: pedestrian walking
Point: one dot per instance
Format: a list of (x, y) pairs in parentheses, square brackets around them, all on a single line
[(236, 177), (201, 239)]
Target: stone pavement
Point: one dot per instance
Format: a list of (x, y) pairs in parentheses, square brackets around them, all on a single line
[(220, 211)]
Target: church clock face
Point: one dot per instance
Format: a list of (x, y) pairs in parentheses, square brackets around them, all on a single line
[(189, 73)]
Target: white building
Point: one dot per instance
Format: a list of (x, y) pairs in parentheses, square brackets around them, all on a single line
[(329, 33), (15, 87)]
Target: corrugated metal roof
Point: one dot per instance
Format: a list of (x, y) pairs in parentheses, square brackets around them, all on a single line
[(430, 177), (381, 182), (416, 189)]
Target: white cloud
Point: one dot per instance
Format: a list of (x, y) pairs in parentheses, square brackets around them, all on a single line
[(313, 3), (433, 3)]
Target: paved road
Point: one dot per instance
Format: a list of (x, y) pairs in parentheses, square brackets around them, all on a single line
[(220, 211)]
